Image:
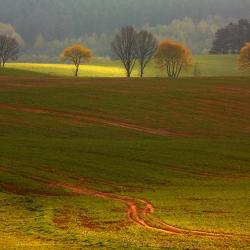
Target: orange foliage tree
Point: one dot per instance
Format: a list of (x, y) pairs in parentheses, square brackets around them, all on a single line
[(77, 54), (244, 60), (173, 57)]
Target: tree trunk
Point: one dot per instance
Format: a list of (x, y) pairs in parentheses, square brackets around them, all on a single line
[(77, 69), (141, 71), (128, 73)]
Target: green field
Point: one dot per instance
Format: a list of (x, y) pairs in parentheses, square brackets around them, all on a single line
[(208, 65), (76, 155)]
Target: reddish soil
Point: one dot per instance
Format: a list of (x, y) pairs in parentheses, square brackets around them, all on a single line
[(86, 117), (137, 208), (138, 211), (10, 188), (41, 82), (224, 89), (62, 219), (85, 181), (87, 222)]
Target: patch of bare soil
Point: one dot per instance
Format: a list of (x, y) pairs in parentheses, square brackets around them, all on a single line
[(62, 219), (10, 188)]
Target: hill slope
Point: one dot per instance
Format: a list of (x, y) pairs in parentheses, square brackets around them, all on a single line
[(118, 164)]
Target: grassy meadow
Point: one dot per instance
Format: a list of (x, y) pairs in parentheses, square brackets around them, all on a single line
[(207, 65), (182, 145)]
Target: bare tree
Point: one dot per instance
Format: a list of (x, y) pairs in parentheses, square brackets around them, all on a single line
[(9, 49), (146, 46), (124, 46)]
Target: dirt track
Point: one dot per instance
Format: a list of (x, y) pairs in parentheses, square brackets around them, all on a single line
[(139, 211), (84, 116)]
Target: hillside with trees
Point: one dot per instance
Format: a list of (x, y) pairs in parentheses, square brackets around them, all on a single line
[(231, 38), (48, 26), (57, 19)]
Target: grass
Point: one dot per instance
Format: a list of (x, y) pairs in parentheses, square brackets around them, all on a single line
[(22, 72), (207, 65), (197, 179), (68, 70)]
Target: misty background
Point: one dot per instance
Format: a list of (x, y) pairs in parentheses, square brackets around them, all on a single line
[(45, 27)]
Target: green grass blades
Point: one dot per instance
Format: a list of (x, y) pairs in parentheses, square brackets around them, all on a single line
[(124, 164)]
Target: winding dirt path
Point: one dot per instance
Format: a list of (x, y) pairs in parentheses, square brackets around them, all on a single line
[(139, 211), (84, 116)]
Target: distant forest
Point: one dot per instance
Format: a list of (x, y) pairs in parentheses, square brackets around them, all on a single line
[(48, 25)]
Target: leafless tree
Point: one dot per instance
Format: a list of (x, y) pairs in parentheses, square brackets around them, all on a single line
[(9, 49), (124, 46), (146, 46)]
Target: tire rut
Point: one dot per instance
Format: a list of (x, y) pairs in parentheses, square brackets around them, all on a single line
[(84, 116), (139, 210)]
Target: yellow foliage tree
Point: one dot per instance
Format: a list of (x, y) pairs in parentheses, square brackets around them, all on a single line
[(77, 54), (173, 57), (244, 60)]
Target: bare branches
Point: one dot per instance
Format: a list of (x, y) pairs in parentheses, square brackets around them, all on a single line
[(124, 46), (130, 46), (9, 49), (146, 46)]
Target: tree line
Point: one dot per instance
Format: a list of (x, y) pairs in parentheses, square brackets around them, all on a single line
[(198, 36), (231, 38), (58, 19), (131, 46)]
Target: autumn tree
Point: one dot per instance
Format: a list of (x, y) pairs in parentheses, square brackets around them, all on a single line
[(124, 46), (146, 46), (77, 54), (173, 57), (9, 49), (244, 60)]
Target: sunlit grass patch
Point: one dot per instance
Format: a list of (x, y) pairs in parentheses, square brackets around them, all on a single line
[(68, 70), (206, 65)]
